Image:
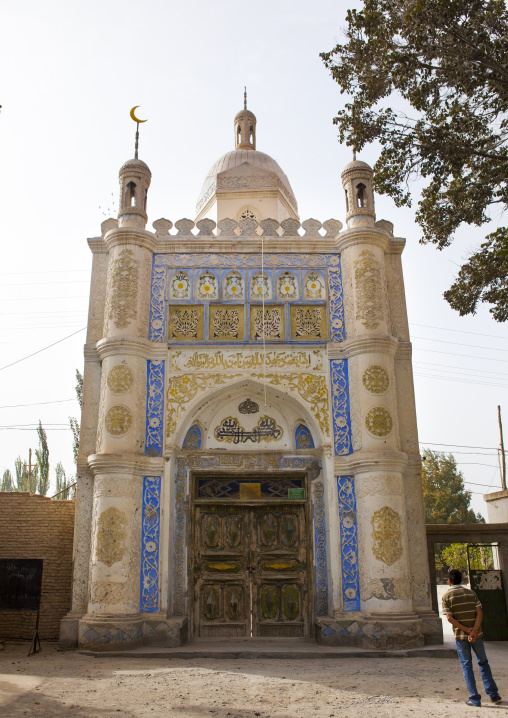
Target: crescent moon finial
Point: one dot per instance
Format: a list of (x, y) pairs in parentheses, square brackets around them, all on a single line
[(133, 114)]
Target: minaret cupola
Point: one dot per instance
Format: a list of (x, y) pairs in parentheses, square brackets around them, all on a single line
[(135, 178), (245, 128), (357, 180)]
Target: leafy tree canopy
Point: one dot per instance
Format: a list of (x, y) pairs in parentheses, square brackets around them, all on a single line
[(446, 499), (448, 61)]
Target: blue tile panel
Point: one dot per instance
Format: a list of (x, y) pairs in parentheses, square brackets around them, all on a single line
[(150, 530), (320, 552), (336, 294), (303, 438), (192, 438), (340, 407), (244, 264), (348, 543), (154, 408)]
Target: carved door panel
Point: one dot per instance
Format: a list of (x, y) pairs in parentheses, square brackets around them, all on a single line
[(250, 571), (279, 571), (221, 575)]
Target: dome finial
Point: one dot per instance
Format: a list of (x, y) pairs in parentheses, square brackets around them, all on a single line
[(245, 127)]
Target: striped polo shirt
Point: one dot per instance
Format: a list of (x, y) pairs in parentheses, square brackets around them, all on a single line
[(461, 602)]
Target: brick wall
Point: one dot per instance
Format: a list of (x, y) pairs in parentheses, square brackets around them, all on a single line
[(33, 526)]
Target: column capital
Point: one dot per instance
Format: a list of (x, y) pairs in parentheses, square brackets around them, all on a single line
[(127, 236), (135, 464), (362, 344), (361, 462), (126, 345), (367, 236)]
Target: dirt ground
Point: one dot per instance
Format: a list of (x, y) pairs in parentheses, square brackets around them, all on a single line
[(53, 683)]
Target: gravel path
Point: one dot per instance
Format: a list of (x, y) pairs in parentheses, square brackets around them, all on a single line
[(52, 683)]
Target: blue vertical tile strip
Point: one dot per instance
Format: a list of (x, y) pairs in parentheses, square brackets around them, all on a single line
[(336, 294), (349, 543), (340, 407), (320, 552), (150, 531), (154, 408), (157, 323)]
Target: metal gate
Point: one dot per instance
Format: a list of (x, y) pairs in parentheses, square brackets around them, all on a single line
[(250, 570), (487, 583)]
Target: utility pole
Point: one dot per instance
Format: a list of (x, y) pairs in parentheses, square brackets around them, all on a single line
[(503, 458), (30, 468)]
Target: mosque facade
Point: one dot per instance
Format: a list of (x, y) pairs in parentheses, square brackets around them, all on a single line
[(249, 462)]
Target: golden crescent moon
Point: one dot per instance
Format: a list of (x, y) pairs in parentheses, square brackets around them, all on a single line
[(133, 115)]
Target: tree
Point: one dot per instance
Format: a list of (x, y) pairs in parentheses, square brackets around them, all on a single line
[(42, 455), (448, 63), (7, 483), (73, 422), (446, 499), (22, 476), (62, 483)]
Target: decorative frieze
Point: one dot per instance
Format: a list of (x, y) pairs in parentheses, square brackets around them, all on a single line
[(150, 532), (340, 407), (348, 543), (154, 408), (369, 290), (386, 535)]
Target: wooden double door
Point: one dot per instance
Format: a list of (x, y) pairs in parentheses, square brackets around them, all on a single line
[(250, 570)]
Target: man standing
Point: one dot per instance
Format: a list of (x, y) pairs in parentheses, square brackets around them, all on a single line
[(464, 611)]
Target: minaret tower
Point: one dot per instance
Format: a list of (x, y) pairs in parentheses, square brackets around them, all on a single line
[(245, 128), (385, 462), (119, 462)]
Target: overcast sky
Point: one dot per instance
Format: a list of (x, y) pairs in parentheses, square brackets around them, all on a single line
[(71, 73)]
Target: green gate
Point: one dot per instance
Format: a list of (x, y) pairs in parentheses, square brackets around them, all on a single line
[(487, 583)]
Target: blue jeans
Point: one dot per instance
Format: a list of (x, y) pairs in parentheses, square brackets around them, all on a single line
[(464, 651)]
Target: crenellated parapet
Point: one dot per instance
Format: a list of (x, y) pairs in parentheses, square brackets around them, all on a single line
[(245, 228)]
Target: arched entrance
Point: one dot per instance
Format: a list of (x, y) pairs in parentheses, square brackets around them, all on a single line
[(249, 542)]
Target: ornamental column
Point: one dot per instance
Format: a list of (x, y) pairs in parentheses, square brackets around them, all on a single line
[(119, 464), (370, 481)]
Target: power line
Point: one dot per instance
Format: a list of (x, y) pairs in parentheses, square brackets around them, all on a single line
[(39, 403), (31, 299), (460, 446), (452, 354), (459, 344), (43, 349), (464, 368), (462, 381), (460, 331), (38, 284), (47, 271)]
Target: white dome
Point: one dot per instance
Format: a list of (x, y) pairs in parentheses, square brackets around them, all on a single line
[(262, 163)]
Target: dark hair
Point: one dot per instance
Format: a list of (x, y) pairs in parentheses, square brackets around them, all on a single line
[(455, 576)]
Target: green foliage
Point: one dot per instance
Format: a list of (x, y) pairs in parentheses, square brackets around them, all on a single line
[(63, 485), (446, 499), (22, 476), (73, 422), (7, 483), (42, 455), (79, 388), (454, 555), (448, 64)]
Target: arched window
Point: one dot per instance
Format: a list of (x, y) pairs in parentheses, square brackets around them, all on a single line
[(192, 438), (261, 286), (130, 194), (180, 286), (207, 286), (303, 438), (247, 213), (287, 286), (234, 287), (347, 201), (361, 195), (314, 286)]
